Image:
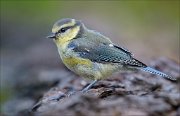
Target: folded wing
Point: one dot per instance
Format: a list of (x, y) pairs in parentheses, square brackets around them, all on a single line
[(107, 53)]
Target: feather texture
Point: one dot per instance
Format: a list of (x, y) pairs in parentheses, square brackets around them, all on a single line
[(105, 53), (154, 71)]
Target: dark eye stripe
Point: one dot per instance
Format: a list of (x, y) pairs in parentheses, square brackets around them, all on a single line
[(62, 30)]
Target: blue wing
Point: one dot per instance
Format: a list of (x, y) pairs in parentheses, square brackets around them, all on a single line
[(104, 53)]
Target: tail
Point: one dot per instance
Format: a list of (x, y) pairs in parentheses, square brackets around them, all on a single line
[(154, 71)]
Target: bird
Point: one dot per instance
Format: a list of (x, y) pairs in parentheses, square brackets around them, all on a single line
[(92, 55)]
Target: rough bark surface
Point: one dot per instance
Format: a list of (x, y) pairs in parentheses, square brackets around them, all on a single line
[(124, 94)]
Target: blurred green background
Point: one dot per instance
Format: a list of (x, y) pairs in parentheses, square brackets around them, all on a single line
[(147, 28)]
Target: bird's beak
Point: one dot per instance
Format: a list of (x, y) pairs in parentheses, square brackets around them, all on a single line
[(51, 36)]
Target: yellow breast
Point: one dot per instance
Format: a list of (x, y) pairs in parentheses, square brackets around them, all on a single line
[(72, 62)]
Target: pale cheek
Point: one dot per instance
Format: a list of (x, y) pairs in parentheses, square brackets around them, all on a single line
[(70, 34)]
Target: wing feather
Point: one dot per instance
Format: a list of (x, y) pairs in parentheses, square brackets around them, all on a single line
[(103, 53)]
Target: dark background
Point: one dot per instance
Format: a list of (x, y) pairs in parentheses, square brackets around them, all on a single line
[(149, 29)]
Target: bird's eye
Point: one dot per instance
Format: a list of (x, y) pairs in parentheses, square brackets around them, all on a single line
[(62, 30)]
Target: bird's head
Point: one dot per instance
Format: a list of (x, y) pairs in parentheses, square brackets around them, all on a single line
[(66, 30)]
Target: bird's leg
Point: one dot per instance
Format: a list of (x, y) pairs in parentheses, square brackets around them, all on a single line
[(89, 86), (84, 90), (71, 93)]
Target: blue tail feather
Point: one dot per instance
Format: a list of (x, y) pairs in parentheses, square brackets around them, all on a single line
[(154, 71)]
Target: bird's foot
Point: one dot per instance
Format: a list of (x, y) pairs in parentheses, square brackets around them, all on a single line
[(71, 93)]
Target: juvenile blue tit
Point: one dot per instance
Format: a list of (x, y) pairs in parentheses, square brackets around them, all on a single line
[(92, 55)]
